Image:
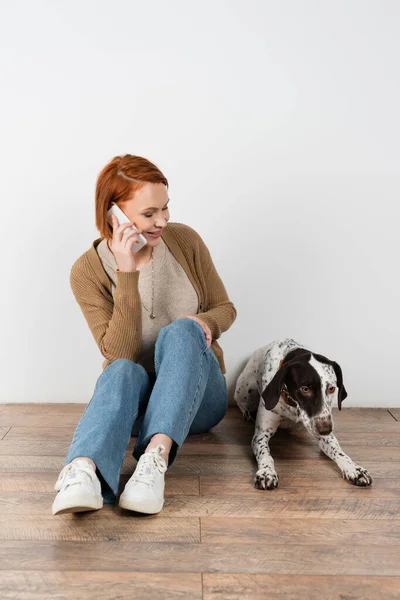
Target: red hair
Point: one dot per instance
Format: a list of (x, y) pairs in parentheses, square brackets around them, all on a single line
[(118, 181)]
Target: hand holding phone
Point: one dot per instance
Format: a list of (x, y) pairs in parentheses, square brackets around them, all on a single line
[(122, 219), (123, 245)]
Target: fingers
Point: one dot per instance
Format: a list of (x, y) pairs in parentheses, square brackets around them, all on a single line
[(114, 222), (118, 230), (132, 238), (207, 332), (205, 328)]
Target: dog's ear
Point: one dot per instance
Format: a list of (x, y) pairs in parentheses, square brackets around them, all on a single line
[(342, 394), (339, 379), (272, 392)]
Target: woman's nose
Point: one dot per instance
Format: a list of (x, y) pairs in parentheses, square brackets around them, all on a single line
[(160, 222)]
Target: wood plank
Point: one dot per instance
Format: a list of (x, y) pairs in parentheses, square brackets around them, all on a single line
[(349, 419), (361, 414), (104, 525), (218, 450), (43, 434), (68, 415), (381, 414), (270, 506), (294, 587), (320, 467), (3, 432), (364, 454), (44, 482), (298, 531), (33, 464), (193, 466), (2, 407), (81, 585), (230, 436), (292, 488), (223, 433), (38, 448), (41, 415), (366, 414), (346, 438), (349, 439), (200, 558), (236, 427), (295, 450)]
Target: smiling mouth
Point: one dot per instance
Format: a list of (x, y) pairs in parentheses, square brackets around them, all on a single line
[(154, 232)]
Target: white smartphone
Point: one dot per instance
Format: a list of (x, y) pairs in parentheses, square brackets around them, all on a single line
[(122, 218)]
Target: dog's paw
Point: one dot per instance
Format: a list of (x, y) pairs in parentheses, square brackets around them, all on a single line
[(266, 479), (358, 476)]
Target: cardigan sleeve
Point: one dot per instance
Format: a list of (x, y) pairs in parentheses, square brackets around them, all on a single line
[(116, 326), (220, 313)]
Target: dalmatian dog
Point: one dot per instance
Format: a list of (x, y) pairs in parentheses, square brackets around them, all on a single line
[(284, 383)]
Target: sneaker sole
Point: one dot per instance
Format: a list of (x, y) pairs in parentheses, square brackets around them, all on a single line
[(140, 506), (77, 504)]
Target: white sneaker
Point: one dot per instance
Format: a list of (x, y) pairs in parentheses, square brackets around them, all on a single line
[(144, 491), (78, 488)]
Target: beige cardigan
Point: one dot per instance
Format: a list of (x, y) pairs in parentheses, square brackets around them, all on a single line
[(116, 322)]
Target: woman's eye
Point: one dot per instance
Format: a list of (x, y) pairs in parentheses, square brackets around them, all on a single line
[(166, 208), (148, 216)]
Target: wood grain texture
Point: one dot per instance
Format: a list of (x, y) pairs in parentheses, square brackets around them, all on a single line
[(285, 559), (41, 415), (320, 467), (99, 585), (298, 531), (39, 503), (269, 506), (294, 450), (44, 482), (217, 537), (297, 488), (349, 419), (298, 587), (194, 466), (41, 434), (102, 525)]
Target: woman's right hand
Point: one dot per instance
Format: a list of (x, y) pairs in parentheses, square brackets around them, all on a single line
[(121, 245)]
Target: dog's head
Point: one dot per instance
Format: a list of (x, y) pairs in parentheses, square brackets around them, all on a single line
[(311, 383)]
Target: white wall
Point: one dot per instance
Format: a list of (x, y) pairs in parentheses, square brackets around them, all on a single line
[(277, 124)]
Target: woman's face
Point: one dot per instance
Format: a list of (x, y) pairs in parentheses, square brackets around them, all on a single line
[(148, 211)]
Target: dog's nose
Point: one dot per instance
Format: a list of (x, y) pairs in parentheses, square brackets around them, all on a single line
[(324, 426)]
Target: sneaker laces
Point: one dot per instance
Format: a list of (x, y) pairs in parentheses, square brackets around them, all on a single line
[(72, 472), (149, 463)]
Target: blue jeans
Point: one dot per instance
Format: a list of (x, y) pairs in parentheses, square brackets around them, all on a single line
[(187, 395)]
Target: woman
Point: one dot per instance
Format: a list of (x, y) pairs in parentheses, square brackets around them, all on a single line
[(156, 315)]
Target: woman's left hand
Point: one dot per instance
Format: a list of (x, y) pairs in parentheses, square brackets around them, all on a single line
[(205, 328)]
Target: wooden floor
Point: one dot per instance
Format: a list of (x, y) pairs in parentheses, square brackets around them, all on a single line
[(217, 537)]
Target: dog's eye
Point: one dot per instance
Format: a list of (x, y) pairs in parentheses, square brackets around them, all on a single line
[(305, 389), (331, 389)]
